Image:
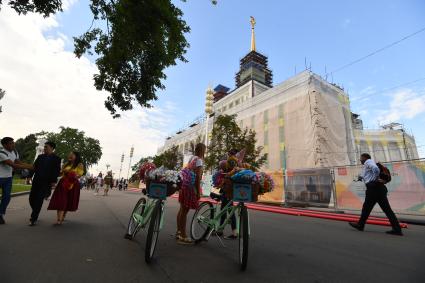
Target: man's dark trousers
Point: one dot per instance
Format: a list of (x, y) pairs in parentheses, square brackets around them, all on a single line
[(39, 191), (376, 192)]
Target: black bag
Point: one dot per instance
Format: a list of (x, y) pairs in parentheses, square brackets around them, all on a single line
[(384, 173)]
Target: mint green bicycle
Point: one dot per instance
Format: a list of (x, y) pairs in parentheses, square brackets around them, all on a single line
[(148, 210), (206, 221)]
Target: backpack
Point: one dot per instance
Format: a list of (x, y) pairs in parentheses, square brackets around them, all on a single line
[(384, 173)]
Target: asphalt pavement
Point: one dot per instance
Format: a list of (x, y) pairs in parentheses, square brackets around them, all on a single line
[(90, 247)]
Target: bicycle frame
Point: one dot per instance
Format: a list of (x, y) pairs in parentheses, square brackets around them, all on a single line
[(143, 219)]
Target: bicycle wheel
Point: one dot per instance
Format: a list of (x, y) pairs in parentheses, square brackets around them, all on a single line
[(134, 226), (243, 237), (199, 227), (153, 231)]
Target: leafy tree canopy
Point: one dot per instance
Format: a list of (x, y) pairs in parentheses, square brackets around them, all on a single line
[(69, 139), (26, 148), (227, 135), (134, 40)]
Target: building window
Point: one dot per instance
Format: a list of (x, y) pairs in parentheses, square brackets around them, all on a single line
[(237, 102), (231, 105)]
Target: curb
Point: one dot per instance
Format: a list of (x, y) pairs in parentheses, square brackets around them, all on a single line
[(20, 194)]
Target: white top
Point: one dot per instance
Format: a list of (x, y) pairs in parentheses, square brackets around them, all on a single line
[(370, 171), (199, 161), (6, 170), (99, 181)]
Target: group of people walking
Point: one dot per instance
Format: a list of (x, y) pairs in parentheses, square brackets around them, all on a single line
[(105, 183), (48, 175)]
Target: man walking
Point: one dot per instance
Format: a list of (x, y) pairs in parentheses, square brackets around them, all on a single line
[(9, 160), (47, 168), (376, 192)]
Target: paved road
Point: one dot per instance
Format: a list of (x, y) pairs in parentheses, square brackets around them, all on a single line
[(90, 248)]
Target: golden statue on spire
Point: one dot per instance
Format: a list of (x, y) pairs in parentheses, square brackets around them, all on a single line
[(252, 33)]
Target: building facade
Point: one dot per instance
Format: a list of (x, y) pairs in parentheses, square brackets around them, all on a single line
[(303, 122)]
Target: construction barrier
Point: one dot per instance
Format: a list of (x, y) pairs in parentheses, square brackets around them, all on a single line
[(406, 191)]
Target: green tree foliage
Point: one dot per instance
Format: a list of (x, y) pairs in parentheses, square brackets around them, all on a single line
[(170, 159), (26, 148), (69, 139), (134, 40), (227, 135)]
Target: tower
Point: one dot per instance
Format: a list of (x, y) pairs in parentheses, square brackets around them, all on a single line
[(254, 66)]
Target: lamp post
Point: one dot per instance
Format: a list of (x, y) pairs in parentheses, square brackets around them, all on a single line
[(209, 100), (129, 163), (122, 160), (107, 167)]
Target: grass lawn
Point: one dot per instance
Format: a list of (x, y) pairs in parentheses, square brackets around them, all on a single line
[(19, 188)]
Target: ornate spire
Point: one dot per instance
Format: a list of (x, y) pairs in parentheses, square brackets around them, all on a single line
[(252, 33)]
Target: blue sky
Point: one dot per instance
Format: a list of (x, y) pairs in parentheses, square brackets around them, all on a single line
[(326, 33)]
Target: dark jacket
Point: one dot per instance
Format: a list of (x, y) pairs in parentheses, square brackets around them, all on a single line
[(47, 169)]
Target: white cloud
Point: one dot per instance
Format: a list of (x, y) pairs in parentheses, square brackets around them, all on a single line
[(405, 104), (48, 87)]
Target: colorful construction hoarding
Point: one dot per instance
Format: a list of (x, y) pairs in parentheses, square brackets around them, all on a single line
[(406, 190)]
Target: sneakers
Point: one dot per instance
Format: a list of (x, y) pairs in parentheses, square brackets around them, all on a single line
[(356, 226), (2, 220), (395, 233)]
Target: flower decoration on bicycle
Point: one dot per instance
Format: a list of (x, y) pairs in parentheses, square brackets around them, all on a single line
[(160, 182)]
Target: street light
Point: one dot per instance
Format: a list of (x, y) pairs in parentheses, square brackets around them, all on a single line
[(129, 163), (209, 100), (107, 167), (122, 160)]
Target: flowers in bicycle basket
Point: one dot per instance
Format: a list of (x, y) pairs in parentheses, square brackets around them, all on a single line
[(265, 181), (244, 176), (145, 169), (163, 175)]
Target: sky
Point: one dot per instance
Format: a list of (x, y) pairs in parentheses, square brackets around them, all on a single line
[(47, 87)]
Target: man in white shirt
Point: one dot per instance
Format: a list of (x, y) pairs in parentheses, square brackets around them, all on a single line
[(376, 192), (9, 160)]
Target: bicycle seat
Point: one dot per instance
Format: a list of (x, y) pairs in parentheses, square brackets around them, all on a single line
[(215, 196)]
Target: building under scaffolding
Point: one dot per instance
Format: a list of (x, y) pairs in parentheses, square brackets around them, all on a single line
[(303, 122)]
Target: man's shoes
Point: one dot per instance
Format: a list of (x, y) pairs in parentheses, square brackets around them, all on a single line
[(2, 220), (356, 226), (32, 222), (395, 233)]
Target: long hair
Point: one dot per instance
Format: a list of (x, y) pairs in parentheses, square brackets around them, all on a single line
[(200, 150), (76, 162)]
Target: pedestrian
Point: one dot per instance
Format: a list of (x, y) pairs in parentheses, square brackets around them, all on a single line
[(47, 169), (99, 184), (108, 183), (120, 184), (66, 196), (125, 184), (376, 192), (92, 183), (189, 195), (9, 161)]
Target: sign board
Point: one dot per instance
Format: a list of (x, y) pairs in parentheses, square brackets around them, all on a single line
[(158, 190), (242, 192)]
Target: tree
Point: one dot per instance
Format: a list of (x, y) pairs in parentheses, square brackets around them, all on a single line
[(171, 159), (227, 135), (26, 148), (69, 139), (135, 40)]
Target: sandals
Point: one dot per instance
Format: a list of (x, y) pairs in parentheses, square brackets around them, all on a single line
[(184, 241)]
